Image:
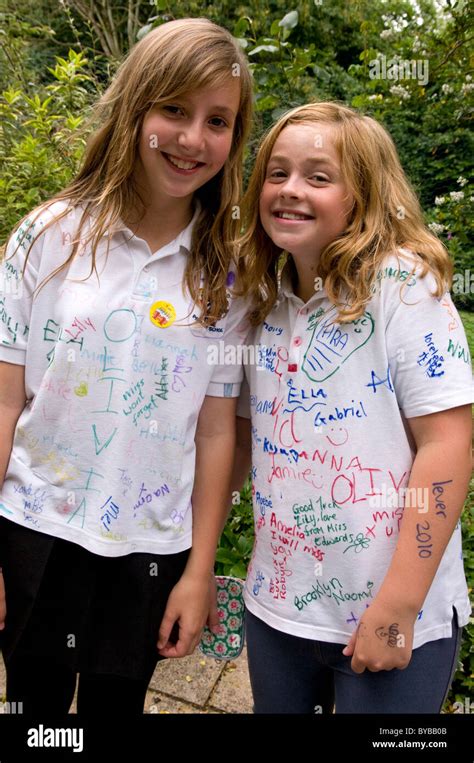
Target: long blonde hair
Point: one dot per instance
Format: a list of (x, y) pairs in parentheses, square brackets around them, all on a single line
[(386, 216), (169, 62)]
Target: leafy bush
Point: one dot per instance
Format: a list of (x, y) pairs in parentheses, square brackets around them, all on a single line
[(40, 140)]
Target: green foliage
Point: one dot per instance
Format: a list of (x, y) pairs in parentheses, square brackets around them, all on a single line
[(235, 548), (451, 219), (40, 141)]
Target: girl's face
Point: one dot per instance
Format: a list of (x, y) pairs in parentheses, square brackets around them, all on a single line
[(304, 203), (185, 142)]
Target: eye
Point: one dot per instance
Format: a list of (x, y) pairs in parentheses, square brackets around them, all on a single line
[(218, 122), (170, 109), (276, 174), (320, 178)]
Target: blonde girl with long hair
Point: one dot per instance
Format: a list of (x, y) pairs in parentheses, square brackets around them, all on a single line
[(360, 423), (117, 435)]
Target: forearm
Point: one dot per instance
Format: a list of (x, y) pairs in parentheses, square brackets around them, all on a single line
[(240, 471), (210, 498), (439, 479), (12, 403), (243, 455)]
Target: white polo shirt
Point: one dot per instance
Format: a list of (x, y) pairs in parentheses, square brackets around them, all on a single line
[(332, 453), (115, 374)]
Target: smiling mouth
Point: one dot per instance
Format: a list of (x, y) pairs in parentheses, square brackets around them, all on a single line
[(182, 164), (292, 216)]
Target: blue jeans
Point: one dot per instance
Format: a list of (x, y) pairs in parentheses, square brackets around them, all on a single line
[(290, 674)]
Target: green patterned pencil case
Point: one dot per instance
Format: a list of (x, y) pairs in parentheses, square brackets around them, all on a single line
[(228, 643)]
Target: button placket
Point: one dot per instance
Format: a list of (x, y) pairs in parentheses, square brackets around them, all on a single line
[(146, 283), (296, 343)]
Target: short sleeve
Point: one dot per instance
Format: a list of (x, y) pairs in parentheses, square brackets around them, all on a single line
[(16, 290), (227, 354), (428, 353)]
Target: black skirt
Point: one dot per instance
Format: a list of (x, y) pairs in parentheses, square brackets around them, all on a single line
[(92, 613)]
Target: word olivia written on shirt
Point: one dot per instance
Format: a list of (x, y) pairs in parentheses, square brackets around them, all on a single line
[(352, 482)]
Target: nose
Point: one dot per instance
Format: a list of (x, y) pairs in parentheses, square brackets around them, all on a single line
[(191, 136), (290, 188)]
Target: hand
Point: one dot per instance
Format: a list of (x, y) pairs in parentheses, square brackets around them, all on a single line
[(3, 605), (192, 603), (383, 639)]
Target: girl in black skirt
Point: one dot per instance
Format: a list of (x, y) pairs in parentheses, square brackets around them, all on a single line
[(116, 431)]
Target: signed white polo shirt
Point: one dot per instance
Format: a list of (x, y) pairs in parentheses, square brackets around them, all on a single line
[(115, 373), (332, 452)]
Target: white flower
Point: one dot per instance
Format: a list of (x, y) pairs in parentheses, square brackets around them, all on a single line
[(400, 91), (440, 200), (468, 78), (446, 89), (467, 88), (416, 45), (387, 34), (462, 181), (456, 195), (436, 227)]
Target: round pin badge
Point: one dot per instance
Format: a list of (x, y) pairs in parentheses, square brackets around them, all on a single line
[(162, 314)]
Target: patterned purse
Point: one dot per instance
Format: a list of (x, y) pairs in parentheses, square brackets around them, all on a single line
[(228, 643)]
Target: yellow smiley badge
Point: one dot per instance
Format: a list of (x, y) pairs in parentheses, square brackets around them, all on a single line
[(162, 314)]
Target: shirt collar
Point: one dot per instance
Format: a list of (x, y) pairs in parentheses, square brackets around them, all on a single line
[(182, 240)]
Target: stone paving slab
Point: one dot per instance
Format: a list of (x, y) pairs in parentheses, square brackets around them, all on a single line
[(160, 704), (191, 678), (232, 693)]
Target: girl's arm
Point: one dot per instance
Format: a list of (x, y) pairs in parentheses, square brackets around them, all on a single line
[(12, 403), (243, 454), (193, 598), (440, 478)]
